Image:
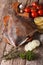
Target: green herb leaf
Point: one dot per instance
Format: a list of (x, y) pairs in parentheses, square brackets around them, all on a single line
[(30, 55), (22, 55)]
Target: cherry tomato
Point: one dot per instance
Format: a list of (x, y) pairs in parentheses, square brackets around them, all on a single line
[(28, 10), (34, 14), (34, 4), (33, 9), (39, 7), (40, 12)]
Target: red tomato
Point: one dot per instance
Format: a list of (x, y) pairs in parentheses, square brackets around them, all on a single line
[(33, 9), (39, 7), (28, 10), (40, 12), (34, 4), (34, 14)]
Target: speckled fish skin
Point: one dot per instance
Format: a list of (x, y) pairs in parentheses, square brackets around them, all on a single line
[(17, 27)]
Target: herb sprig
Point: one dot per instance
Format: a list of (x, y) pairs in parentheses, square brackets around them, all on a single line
[(29, 55)]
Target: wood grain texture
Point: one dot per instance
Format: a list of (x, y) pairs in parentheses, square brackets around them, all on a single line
[(18, 61), (2, 46), (34, 1), (41, 1), (4, 62), (7, 49)]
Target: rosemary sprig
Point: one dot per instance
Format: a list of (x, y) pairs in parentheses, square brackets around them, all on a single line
[(30, 55), (12, 51), (12, 55)]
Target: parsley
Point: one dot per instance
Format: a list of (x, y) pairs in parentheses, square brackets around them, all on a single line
[(30, 55), (22, 55)]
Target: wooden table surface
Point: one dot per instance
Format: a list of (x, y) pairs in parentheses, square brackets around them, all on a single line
[(4, 48)]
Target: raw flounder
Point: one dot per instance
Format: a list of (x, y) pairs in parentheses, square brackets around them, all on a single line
[(16, 29)]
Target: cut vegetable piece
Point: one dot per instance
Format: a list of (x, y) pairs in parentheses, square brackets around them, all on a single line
[(32, 45), (5, 19)]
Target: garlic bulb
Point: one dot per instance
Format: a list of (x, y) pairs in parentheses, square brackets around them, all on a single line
[(32, 45)]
